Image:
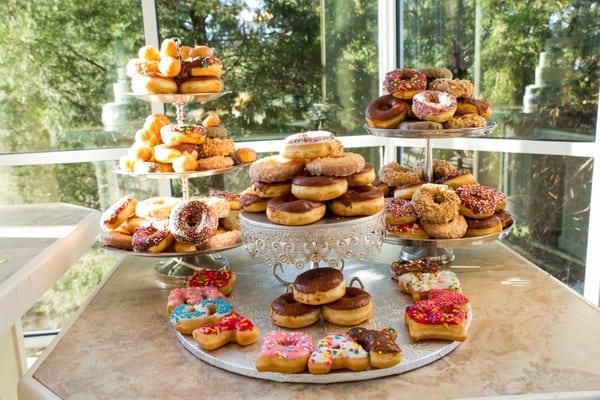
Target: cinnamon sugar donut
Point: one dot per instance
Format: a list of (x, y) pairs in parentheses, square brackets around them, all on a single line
[(466, 121), (436, 204), (441, 168), (456, 87), (216, 162), (395, 174), (275, 169), (345, 165)]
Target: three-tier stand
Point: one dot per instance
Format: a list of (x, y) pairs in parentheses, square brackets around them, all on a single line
[(180, 265), (440, 250)]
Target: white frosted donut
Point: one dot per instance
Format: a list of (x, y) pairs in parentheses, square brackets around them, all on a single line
[(155, 207), (435, 106)]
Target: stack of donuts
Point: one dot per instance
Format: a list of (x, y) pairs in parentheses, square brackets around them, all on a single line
[(168, 224), (321, 291), (427, 99), (455, 206), (175, 69), (311, 174), (163, 147)]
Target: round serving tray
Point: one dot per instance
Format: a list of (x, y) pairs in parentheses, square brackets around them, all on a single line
[(252, 298), (179, 175), (448, 243), (168, 254), (432, 134), (179, 98)]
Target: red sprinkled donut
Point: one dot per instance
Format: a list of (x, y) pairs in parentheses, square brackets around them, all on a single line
[(399, 208), (479, 200), (150, 234), (404, 80), (431, 105), (192, 221)]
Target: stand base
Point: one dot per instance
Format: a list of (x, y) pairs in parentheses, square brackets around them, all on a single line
[(439, 254), (176, 271)]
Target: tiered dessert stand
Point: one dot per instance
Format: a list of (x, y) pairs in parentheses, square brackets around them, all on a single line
[(181, 265), (440, 250)]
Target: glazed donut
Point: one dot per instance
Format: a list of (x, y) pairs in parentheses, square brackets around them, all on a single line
[(363, 200), (211, 163), (127, 163), (286, 352), (344, 165), (152, 237), (312, 144), (202, 51), (217, 147), (184, 247), (116, 239), (207, 66), (185, 163), (480, 227), (191, 296), (169, 48), (319, 286), (406, 192), (147, 137), (318, 188), (218, 205), (193, 221), (437, 204), (353, 308), (275, 169), (384, 187), (365, 177), (434, 106), (149, 53), (381, 345), (386, 112), (211, 120), (455, 87), (153, 85), (155, 207), (252, 203), (185, 52), (165, 153), (216, 132), (232, 198), (289, 210), (289, 313), (465, 121), (399, 212), (441, 168), (397, 175), (192, 134), (420, 126), (185, 318), (140, 152), (223, 240), (118, 213), (231, 222), (270, 190), (404, 83), (201, 85), (436, 73), (224, 281), (337, 352), (453, 229), (169, 67), (477, 201), (410, 231), (466, 105), (151, 167), (232, 328), (245, 155), (505, 217), (457, 178), (137, 67)]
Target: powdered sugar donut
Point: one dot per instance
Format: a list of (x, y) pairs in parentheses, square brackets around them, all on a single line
[(431, 105), (275, 169), (191, 296), (313, 144), (345, 165)]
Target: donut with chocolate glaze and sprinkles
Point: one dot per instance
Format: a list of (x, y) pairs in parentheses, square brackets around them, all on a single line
[(152, 237), (399, 212), (289, 210), (404, 83), (353, 308), (381, 345), (193, 221), (401, 267), (118, 213), (431, 105), (290, 313), (457, 178), (319, 286), (477, 201)]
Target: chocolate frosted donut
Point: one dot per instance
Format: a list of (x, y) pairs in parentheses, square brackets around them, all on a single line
[(286, 305), (289, 203), (318, 280), (361, 193), (307, 180), (487, 226), (150, 234), (353, 298), (353, 308), (386, 112), (193, 221), (505, 217)]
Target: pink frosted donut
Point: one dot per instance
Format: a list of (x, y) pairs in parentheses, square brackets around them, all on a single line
[(284, 352), (435, 106), (191, 296)]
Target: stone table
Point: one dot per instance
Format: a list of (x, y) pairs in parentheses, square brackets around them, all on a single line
[(530, 334)]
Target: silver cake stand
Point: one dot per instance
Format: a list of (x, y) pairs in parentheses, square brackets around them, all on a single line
[(439, 250), (252, 298), (330, 241)]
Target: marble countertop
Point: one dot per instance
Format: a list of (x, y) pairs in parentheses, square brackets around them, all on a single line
[(530, 334)]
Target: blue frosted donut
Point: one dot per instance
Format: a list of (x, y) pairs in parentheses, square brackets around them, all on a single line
[(185, 318)]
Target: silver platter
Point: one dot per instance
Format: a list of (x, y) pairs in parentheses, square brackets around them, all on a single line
[(179, 175), (252, 298), (168, 254), (446, 243), (432, 134), (179, 98), (329, 221)]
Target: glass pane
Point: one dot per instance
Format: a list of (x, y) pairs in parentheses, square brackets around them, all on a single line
[(536, 62), (549, 197), (291, 65), (62, 75)]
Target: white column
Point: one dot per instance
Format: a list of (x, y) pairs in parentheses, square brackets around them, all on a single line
[(386, 34), (12, 361)]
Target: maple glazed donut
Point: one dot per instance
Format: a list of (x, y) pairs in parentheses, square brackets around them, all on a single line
[(477, 201), (434, 106), (457, 178), (118, 213), (312, 144), (386, 112), (437, 204), (318, 188), (353, 308), (319, 286), (404, 83), (275, 169), (399, 212), (152, 237), (364, 200), (397, 175), (365, 177), (193, 221), (290, 313), (289, 210), (344, 165)]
